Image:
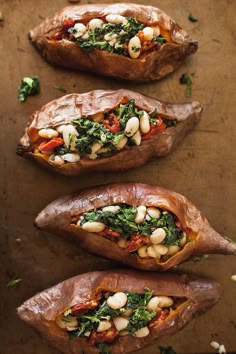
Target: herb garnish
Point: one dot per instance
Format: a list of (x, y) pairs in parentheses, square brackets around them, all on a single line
[(187, 79), (192, 18), (167, 350), (29, 87), (13, 282), (200, 258), (62, 89), (103, 348)]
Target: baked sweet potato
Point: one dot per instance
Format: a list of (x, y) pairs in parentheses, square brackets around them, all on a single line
[(114, 40), (105, 130), (143, 226), (76, 316)]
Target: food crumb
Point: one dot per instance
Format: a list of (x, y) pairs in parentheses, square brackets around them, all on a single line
[(215, 345), (233, 277), (222, 349), (1, 16)]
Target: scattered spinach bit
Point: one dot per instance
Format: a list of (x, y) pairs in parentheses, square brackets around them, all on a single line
[(167, 350), (29, 87), (103, 348), (67, 312), (62, 89), (187, 79), (200, 258), (13, 282), (192, 18), (123, 222)]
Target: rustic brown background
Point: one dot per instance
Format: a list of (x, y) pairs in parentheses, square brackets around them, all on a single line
[(202, 168)]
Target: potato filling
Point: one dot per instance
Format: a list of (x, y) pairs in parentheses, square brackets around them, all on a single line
[(147, 231), (100, 135), (108, 315), (115, 34)]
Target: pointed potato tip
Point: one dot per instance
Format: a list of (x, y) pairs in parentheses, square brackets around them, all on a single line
[(231, 246)]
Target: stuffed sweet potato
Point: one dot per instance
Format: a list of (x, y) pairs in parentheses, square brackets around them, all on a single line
[(121, 311), (128, 41), (105, 130), (143, 226)]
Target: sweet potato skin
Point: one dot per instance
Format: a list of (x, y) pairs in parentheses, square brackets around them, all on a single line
[(149, 66), (72, 106), (41, 310), (56, 218)]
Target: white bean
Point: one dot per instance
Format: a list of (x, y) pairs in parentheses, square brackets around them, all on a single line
[(183, 240), (95, 23), (131, 126), (142, 252), (137, 138), (173, 250), (165, 301), (152, 253), (156, 30), (85, 36), (121, 144), (153, 303), (154, 212), (111, 208), (134, 47), (69, 135), (92, 156), (120, 323), (142, 332), (148, 33), (233, 277), (103, 150), (123, 333), (158, 236), (93, 226), (103, 326), (71, 157), (57, 160), (48, 133), (116, 19), (110, 36), (117, 300), (122, 242), (80, 29), (161, 249), (60, 128), (69, 325), (145, 123), (87, 333), (215, 345), (140, 214), (148, 217)]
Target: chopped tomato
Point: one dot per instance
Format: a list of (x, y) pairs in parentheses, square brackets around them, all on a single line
[(109, 232), (135, 242), (155, 129), (161, 316), (80, 309), (57, 36), (68, 24), (148, 45), (112, 123), (105, 336), (140, 35), (51, 144)]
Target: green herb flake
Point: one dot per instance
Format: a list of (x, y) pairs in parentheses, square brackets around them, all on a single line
[(67, 312), (167, 350), (103, 348), (13, 282), (187, 79), (200, 258), (29, 87), (192, 18), (62, 89)]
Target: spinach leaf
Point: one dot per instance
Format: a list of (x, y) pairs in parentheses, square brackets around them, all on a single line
[(29, 87), (138, 300), (13, 282), (192, 18), (160, 40), (139, 319), (187, 79)]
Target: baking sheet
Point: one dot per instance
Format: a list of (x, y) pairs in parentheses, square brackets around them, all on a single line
[(202, 168)]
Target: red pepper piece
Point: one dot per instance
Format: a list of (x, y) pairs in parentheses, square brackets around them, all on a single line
[(161, 316), (68, 24), (155, 129), (135, 242), (112, 123), (105, 336), (80, 309), (57, 36), (51, 144), (109, 232)]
